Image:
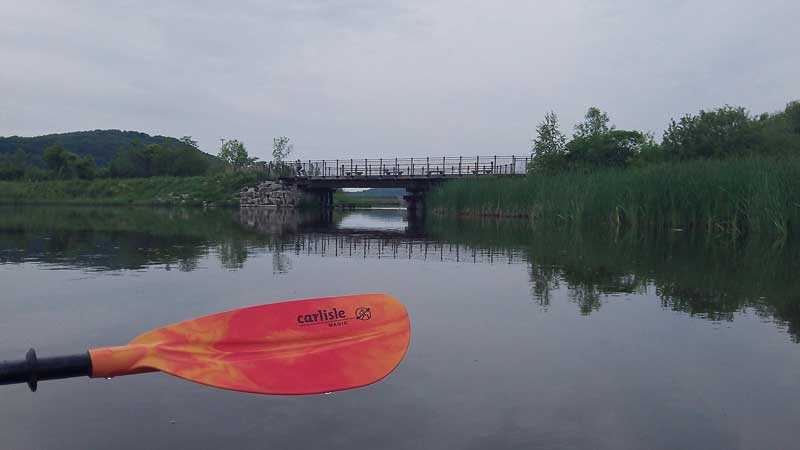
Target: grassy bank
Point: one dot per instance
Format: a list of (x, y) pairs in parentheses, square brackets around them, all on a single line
[(737, 195), (221, 190), (343, 200)]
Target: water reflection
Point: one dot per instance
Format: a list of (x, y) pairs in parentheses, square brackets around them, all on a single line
[(705, 276), (701, 276)]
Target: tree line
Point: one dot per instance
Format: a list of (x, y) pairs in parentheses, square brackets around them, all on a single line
[(171, 157), (132, 161), (234, 153), (718, 133)]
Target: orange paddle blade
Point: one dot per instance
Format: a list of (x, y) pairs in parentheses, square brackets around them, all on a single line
[(297, 347)]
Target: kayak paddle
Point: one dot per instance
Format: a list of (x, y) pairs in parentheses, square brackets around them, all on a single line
[(296, 347)]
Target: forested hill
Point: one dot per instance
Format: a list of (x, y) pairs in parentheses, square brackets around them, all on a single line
[(102, 145)]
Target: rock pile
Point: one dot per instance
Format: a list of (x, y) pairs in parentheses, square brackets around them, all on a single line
[(268, 193)]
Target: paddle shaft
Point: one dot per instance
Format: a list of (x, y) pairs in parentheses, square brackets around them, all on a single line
[(31, 370)]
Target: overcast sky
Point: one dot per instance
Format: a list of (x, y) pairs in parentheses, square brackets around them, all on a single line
[(381, 78)]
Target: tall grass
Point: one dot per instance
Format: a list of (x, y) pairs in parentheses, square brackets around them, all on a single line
[(738, 196)]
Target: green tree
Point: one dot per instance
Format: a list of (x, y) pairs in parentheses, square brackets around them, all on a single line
[(157, 160), (60, 163), (65, 165), (792, 113), (122, 165), (549, 146), (549, 138), (281, 149), (55, 159), (614, 148), (649, 152), (188, 162), (780, 132), (234, 153), (35, 173), (85, 167), (13, 166), (712, 134), (595, 122), (190, 142)]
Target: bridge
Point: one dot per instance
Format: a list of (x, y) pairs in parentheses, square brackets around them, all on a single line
[(416, 175)]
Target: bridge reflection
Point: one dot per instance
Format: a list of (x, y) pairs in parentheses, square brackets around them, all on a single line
[(322, 234), (387, 245)]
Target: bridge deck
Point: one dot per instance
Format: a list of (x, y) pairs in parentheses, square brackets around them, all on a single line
[(396, 171)]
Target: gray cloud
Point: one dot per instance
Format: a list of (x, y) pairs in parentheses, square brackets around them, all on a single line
[(385, 78)]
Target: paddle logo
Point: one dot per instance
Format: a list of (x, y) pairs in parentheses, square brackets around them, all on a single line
[(334, 317), (363, 313)]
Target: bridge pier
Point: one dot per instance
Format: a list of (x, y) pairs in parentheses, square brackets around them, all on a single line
[(323, 196), (415, 199)]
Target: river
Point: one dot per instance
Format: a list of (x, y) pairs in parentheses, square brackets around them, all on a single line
[(521, 337)]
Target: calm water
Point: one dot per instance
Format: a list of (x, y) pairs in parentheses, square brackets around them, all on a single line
[(520, 338)]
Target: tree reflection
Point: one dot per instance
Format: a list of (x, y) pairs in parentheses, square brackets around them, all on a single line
[(232, 253), (544, 280), (280, 262), (706, 276)]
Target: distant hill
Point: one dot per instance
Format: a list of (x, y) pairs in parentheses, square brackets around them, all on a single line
[(379, 192), (101, 144)]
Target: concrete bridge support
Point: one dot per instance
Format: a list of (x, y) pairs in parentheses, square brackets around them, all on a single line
[(323, 196), (415, 199)]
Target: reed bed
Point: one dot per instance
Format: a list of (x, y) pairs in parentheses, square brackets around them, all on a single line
[(739, 196)]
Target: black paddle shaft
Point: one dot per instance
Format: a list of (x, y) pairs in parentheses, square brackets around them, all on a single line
[(32, 369)]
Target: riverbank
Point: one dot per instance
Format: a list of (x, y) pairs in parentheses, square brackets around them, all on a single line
[(218, 190), (736, 195)]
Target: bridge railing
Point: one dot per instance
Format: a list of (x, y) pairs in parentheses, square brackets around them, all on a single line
[(455, 166)]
